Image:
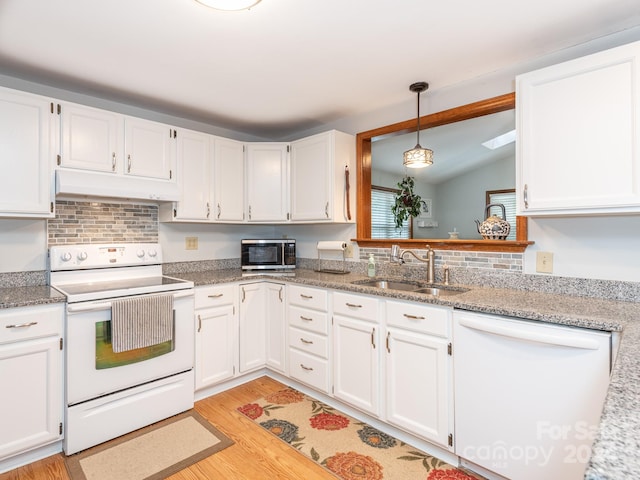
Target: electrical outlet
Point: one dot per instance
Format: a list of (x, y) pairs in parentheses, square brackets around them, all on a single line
[(348, 251), (191, 243), (544, 262)]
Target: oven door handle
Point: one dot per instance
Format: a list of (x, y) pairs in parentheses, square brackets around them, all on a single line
[(91, 306)]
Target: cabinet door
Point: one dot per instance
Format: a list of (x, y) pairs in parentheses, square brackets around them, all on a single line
[(195, 161), (276, 327), (267, 182), (216, 342), (356, 363), (311, 173), (92, 139), (149, 149), (578, 134), (31, 379), (228, 180), (418, 386), (26, 129), (253, 352)]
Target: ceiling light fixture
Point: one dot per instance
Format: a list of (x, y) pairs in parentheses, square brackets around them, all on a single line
[(418, 157), (229, 5)]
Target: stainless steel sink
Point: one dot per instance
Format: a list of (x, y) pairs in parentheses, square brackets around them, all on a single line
[(389, 284), (414, 287), (438, 291)]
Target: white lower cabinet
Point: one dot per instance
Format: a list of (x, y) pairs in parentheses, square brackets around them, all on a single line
[(31, 378), (418, 368), (216, 334), (276, 327), (262, 326), (309, 344), (356, 351)]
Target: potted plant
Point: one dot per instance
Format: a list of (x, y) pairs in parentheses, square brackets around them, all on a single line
[(407, 203)]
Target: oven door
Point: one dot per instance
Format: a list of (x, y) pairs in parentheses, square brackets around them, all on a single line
[(93, 369)]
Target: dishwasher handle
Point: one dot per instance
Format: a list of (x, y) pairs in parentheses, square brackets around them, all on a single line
[(562, 339)]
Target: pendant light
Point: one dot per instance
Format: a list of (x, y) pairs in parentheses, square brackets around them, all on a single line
[(229, 5), (418, 157)]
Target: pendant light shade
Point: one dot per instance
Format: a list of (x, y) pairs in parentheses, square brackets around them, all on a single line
[(418, 157), (229, 5)]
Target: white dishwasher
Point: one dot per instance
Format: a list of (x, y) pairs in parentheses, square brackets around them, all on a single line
[(528, 395)]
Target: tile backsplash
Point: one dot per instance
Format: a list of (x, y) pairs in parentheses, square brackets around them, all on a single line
[(90, 222)]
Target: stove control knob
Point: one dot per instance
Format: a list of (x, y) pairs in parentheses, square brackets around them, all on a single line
[(140, 253), (82, 256), (152, 253), (65, 257)]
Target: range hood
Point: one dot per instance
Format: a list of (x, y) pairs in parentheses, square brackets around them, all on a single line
[(106, 185)]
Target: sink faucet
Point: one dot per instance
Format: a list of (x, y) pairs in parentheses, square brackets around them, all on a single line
[(397, 256)]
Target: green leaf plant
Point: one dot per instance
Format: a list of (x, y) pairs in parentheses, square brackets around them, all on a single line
[(407, 204)]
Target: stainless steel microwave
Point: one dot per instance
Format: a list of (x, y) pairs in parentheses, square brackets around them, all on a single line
[(270, 254)]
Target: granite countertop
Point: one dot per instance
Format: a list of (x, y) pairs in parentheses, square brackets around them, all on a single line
[(11, 297), (615, 449)]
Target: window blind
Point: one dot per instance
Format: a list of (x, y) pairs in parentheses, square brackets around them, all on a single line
[(383, 224), (508, 199)]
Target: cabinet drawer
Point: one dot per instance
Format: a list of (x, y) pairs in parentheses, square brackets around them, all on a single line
[(420, 318), (309, 342), (308, 369), (309, 320), (23, 323), (356, 306), (308, 297), (215, 295)]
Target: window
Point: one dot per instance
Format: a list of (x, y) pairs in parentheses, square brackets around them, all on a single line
[(383, 224), (508, 199)]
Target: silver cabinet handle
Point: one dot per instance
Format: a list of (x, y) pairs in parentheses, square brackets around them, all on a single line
[(306, 296), (326, 210), (22, 325), (129, 163), (306, 319), (208, 209), (306, 342), (388, 336), (243, 295), (199, 323), (525, 196), (113, 162), (373, 339), (249, 212), (353, 305), (308, 369), (280, 294), (413, 317), (219, 211), (217, 295)]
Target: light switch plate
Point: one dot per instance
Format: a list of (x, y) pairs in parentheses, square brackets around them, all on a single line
[(544, 262)]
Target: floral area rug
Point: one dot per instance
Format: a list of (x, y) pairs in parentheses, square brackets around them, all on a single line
[(350, 449)]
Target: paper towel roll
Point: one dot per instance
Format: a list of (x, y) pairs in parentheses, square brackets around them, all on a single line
[(332, 245)]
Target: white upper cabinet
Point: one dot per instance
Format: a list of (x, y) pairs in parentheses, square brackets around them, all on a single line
[(267, 182), (195, 163), (92, 139), (149, 148), (27, 127), (228, 192), (319, 168), (579, 137), (102, 141)]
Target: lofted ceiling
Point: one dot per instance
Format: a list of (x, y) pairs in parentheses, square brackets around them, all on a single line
[(285, 66)]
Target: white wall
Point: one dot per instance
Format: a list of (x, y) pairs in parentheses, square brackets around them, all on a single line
[(23, 245)]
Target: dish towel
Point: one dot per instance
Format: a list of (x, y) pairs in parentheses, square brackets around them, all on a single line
[(139, 322)]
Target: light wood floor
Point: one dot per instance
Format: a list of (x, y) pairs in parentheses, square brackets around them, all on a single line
[(255, 455)]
